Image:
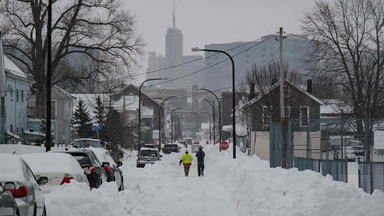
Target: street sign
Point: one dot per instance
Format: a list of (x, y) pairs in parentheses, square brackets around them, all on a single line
[(97, 128), (224, 145)]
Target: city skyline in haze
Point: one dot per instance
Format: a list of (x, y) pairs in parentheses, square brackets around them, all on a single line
[(205, 22)]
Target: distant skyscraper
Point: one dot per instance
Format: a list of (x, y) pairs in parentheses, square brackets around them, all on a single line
[(174, 40), (178, 77)]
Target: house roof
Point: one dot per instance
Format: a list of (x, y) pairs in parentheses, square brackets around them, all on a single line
[(274, 86), (123, 92), (12, 69)]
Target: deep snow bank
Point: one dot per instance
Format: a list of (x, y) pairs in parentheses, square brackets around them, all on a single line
[(260, 190)]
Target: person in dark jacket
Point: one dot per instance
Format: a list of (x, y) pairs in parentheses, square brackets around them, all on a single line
[(200, 161)]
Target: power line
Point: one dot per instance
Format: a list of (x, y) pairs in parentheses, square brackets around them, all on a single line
[(188, 62), (198, 71)]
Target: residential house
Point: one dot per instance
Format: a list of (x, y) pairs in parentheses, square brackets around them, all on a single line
[(61, 115), (14, 108), (301, 108), (150, 112), (226, 110)]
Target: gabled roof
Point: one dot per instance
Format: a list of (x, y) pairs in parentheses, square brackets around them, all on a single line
[(276, 85), (12, 69), (137, 89)]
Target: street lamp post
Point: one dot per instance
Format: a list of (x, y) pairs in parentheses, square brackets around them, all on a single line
[(161, 105), (212, 103), (173, 136), (139, 134), (218, 101), (233, 94)]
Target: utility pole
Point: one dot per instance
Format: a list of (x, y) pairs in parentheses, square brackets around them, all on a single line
[(282, 106), (48, 137)]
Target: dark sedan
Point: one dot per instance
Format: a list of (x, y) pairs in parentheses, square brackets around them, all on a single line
[(88, 161), (169, 148)]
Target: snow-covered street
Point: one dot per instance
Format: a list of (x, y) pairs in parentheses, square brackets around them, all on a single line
[(242, 186)]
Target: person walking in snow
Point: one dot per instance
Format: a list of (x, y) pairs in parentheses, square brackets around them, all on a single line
[(200, 161), (186, 159)]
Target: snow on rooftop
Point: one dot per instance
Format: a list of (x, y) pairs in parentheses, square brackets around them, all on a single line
[(127, 101), (12, 68)]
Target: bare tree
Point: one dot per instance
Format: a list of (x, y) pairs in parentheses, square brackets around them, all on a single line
[(350, 48), (98, 29), (263, 79)]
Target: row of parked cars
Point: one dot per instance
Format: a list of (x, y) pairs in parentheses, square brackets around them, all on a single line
[(24, 179)]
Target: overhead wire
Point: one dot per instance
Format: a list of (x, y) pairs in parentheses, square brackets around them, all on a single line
[(198, 71), (188, 62)]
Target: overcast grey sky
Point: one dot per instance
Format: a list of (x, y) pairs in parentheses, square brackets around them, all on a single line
[(214, 21)]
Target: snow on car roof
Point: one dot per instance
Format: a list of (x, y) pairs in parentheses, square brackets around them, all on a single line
[(11, 167), (43, 163), (103, 155), (145, 148)]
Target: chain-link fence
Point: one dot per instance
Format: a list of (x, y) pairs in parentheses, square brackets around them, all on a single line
[(371, 176), (336, 168)]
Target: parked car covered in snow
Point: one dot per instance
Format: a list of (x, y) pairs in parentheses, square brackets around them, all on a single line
[(60, 168), (24, 186), (8, 205), (88, 161), (86, 143), (109, 165)]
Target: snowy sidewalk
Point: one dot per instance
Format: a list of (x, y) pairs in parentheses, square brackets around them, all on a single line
[(174, 194)]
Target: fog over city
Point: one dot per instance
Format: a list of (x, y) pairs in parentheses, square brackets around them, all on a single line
[(204, 22)]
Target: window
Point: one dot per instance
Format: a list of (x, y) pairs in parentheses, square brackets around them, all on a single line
[(304, 116), (10, 90), (22, 96), (287, 111), (11, 128), (17, 95), (266, 115)]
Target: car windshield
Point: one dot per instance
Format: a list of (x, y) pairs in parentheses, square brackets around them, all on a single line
[(82, 158), (148, 153), (170, 146), (87, 143)]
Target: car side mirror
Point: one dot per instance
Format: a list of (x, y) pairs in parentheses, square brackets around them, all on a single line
[(87, 172), (9, 186), (119, 164), (42, 180), (105, 164)]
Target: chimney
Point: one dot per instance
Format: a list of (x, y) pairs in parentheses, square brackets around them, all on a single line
[(251, 91), (309, 86)]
